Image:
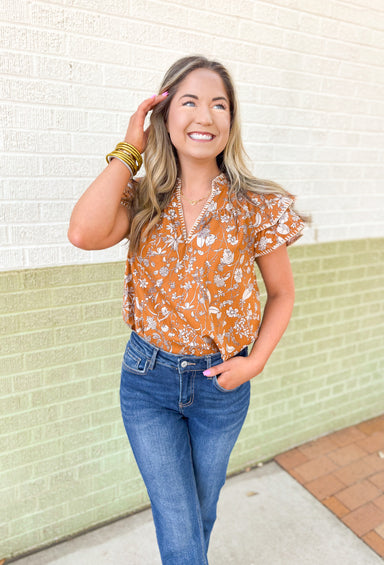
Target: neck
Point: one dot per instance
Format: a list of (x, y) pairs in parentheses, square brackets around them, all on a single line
[(196, 181)]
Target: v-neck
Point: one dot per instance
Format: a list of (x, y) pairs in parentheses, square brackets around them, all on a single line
[(188, 236)]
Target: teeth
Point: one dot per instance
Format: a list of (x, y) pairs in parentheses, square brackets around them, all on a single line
[(205, 136)]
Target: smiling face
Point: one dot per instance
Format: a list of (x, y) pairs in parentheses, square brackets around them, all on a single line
[(199, 118)]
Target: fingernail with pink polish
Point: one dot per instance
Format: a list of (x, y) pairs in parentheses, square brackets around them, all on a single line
[(165, 94), (153, 96), (207, 373)]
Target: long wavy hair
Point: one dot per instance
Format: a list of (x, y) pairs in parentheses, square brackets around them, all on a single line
[(161, 161)]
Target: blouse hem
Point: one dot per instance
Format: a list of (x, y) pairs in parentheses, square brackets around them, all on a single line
[(293, 237)]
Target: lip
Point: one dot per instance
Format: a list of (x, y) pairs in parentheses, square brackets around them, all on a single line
[(201, 136)]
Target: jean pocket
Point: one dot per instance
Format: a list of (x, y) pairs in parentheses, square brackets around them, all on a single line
[(135, 362), (221, 388)]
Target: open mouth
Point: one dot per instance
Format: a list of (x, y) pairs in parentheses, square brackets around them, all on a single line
[(197, 136)]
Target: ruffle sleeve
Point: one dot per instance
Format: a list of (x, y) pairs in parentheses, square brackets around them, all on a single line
[(129, 193), (274, 222)]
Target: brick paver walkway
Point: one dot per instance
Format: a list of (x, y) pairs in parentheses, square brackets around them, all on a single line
[(345, 471)]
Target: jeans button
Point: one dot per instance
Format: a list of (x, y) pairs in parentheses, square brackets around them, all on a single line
[(184, 364)]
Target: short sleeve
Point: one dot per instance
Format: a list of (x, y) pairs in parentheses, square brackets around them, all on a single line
[(129, 193), (279, 224)]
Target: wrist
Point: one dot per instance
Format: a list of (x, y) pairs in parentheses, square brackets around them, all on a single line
[(127, 154), (256, 364)]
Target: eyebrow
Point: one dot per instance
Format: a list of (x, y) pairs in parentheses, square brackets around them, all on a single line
[(196, 97)]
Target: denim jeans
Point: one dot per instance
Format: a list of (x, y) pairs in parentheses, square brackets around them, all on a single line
[(182, 427)]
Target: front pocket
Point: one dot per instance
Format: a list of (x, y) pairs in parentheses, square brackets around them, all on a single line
[(135, 362), (220, 388)]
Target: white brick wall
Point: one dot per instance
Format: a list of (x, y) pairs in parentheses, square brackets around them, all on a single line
[(310, 79)]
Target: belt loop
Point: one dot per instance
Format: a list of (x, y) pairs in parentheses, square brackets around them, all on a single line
[(153, 358), (209, 361)]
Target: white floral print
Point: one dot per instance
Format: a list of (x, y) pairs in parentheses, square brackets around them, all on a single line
[(200, 295)]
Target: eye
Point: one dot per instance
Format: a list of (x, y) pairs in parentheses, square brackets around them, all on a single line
[(189, 103), (220, 106)]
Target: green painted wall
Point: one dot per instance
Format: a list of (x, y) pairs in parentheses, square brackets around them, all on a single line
[(65, 462)]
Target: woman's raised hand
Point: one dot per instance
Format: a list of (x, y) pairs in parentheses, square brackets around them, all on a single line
[(98, 220), (136, 134)]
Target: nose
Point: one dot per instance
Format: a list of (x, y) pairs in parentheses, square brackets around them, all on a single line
[(204, 116)]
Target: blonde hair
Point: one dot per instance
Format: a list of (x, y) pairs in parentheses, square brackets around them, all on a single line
[(161, 161)]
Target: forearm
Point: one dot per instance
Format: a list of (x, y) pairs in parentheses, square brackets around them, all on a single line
[(98, 220), (277, 313), (94, 216)]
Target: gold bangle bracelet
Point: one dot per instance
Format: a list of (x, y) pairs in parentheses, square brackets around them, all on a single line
[(131, 156), (127, 154), (123, 155), (125, 158), (131, 149)]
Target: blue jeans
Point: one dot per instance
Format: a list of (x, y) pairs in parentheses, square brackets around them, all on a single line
[(182, 427)]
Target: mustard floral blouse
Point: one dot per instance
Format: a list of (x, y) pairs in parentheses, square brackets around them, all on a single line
[(197, 294)]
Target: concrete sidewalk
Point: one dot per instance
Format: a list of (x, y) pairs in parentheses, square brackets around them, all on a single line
[(264, 517)]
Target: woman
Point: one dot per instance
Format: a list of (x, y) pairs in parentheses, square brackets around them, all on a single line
[(196, 223)]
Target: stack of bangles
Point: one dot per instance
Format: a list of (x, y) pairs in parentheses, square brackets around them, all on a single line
[(127, 154)]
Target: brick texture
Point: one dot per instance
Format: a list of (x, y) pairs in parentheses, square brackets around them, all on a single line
[(354, 491), (72, 73)]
